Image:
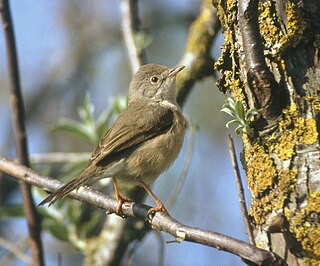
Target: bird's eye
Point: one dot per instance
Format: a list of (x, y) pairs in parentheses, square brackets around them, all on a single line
[(154, 79)]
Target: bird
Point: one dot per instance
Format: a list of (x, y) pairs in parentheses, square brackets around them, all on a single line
[(144, 140)]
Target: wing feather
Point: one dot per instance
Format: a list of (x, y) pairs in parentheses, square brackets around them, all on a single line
[(130, 130)]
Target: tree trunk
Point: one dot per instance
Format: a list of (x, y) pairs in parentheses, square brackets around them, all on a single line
[(270, 61)]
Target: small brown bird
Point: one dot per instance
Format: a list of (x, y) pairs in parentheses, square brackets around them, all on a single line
[(143, 142)]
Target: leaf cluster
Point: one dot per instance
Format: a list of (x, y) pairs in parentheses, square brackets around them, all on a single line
[(241, 118)]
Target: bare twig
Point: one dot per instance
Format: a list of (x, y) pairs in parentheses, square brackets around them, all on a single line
[(196, 57), (241, 191), (161, 221), (161, 248), (15, 250), (186, 165), (20, 134), (129, 25), (59, 157)]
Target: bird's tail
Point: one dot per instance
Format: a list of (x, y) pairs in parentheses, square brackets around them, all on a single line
[(64, 190)]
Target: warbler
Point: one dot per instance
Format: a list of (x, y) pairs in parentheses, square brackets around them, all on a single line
[(144, 140)]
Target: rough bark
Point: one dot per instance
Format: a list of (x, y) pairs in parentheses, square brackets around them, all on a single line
[(270, 61)]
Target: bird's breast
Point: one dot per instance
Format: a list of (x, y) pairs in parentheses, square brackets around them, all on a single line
[(156, 155)]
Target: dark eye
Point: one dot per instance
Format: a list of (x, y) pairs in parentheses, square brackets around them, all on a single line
[(154, 79)]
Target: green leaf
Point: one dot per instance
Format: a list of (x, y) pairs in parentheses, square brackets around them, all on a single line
[(86, 111), (119, 104), (238, 130), (56, 228), (75, 129), (11, 211), (240, 110), (230, 102), (250, 113), (90, 227), (102, 123), (142, 40), (228, 111), (71, 170), (234, 121)]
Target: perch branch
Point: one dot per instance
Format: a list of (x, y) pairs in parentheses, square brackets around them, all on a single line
[(20, 134), (161, 221)]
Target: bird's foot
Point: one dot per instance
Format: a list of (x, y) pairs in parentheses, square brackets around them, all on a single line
[(159, 208), (121, 200)]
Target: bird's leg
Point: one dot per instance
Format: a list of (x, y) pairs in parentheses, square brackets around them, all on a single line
[(120, 198), (160, 206)]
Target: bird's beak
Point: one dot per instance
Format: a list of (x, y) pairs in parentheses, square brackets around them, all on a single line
[(174, 71)]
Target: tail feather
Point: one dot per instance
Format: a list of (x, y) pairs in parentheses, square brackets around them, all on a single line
[(64, 190)]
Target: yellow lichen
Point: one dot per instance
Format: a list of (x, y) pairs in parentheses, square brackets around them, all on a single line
[(305, 224), (260, 168), (314, 102), (269, 28), (269, 185), (293, 130), (276, 198), (296, 25), (229, 79), (274, 38)]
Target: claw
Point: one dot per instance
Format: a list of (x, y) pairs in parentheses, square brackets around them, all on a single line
[(160, 207), (120, 199)]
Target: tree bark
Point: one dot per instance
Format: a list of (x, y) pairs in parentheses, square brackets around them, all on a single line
[(270, 61)]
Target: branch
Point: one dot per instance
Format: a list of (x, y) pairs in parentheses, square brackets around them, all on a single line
[(161, 221), (241, 191), (20, 134), (59, 157), (196, 57), (186, 164), (268, 98), (15, 250), (129, 26)]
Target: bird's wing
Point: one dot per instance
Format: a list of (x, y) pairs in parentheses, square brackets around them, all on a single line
[(135, 125)]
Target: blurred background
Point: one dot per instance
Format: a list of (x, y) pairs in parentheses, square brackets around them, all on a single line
[(68, 48)]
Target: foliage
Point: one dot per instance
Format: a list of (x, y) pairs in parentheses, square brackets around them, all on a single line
[(89, 129), (241, 117), (70, 220)]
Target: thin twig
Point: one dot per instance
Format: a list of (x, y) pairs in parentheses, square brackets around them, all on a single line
[(59, 157), (129, 25), (161, 221), (186, 165), (15, 250), (242, 199), (20, 134), (161, 248)]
